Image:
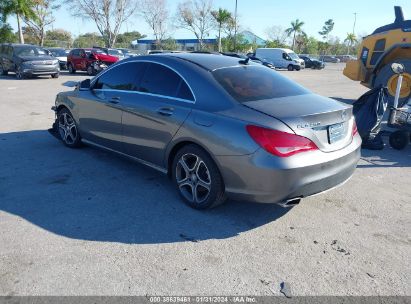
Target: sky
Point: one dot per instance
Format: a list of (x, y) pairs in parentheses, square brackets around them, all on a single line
[(258, 15)]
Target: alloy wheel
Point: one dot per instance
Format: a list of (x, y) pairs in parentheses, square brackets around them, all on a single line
[(193, 178), (67, 128), (19, 74)]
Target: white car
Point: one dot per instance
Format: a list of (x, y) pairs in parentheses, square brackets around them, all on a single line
[(281, 58)]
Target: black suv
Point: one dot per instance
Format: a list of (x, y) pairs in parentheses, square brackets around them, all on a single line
[(27, 60)]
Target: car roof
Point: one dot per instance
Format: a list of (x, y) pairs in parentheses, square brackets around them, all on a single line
[(209, 62)]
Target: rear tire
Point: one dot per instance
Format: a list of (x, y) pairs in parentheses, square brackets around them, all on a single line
[(55, 75), (71, 69), (385, 75), (2, 71), (68, 129), (197, 178), (399, 139)]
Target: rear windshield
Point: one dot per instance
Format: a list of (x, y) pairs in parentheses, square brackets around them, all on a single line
[(250, 83)]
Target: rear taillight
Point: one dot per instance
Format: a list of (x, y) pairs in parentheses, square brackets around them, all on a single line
[(354, 128), (280, 143)]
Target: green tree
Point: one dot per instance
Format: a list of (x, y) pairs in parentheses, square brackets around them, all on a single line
[(311, 46), (169, 44), (6, 33), (275, 44), (222, 17), (125, 39), (296, 28), (351, 39), (327, 28), (23, 9)]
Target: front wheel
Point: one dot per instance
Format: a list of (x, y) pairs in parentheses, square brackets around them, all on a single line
[(19, 73), (387, 78), (399, 139), (68, 129), (90, 70), (197, 178), (290, 67), (55, 75)]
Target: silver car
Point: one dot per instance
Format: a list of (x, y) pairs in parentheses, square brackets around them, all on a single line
[(220, 127)]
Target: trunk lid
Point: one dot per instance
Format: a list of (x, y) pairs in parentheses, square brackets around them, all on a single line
[(325, 121)]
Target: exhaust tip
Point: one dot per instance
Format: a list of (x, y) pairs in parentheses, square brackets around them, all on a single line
[(291, 202)]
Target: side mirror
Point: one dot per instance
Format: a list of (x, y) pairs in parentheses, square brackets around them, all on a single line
[(397, 68), (85, 84)]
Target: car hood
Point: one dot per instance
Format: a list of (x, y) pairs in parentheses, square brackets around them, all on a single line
[(61, 58), (310, 115), (36, 58), (106, 58)]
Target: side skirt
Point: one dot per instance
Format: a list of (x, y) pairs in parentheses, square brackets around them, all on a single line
[(148, 164)]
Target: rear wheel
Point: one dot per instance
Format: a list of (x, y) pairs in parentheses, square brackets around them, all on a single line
[(68, 129), (71, 68), (290, 67), (55, 75), (197, 178), (387, 78), (399, 139), (2, 71)]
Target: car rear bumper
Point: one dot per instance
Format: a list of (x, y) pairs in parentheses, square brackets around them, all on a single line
[(264, 178)]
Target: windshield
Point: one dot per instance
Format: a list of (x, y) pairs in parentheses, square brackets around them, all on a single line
[(30, 51), (250, 83), (293, 55), (59, 53)]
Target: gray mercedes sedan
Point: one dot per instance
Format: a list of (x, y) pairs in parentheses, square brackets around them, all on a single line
[(220, 127)]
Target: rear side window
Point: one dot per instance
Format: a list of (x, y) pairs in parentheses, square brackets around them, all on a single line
[(124, 77), (250, 83), (161, 80)]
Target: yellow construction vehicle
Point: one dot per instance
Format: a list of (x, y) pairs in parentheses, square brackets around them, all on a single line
[(387, 44)]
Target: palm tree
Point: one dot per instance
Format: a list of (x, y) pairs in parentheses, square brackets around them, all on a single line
[(222, 16), (351, 39), (20, 8), (296, 28)]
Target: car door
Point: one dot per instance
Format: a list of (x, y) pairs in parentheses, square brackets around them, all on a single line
[(100, 108), (153, 117)]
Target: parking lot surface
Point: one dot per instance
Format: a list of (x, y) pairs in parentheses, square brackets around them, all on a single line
[(86, 222)]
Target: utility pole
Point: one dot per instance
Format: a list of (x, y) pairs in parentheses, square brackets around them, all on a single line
[(235, 27), (355, 20)]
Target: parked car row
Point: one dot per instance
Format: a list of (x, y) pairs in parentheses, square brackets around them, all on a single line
[(27, 60)]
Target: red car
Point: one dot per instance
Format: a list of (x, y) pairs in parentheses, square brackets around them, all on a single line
[(90, 60)]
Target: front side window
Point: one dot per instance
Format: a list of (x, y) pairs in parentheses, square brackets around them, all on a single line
[(250, 83), (124, 77), (286, 57), (161, 80)]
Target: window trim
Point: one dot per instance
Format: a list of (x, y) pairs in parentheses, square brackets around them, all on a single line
[(150, 94)]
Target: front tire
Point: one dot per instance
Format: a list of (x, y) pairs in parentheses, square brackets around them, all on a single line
[(19, 73), (90, 70), (55, 75), (387, 78), (68, 129), (290, 67), (399, 139), (197, 178)]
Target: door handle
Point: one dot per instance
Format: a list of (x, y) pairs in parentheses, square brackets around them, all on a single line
[(165, 111), (114, 100)]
